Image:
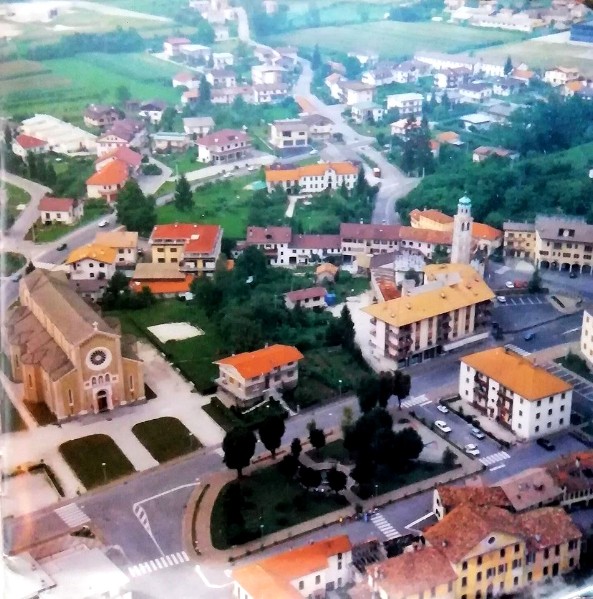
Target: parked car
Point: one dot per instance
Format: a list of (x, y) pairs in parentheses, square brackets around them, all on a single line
[(520, 284), (251, 168), (573, 275), (477, 433), (442, 426), (471, 449), (501, 299), (510, 285), (546, 444), (443, 409), (17, 277), (529, 336), (62, 247), (103, 223)]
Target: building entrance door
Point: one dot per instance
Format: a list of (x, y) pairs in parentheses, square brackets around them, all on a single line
[(102, 400)]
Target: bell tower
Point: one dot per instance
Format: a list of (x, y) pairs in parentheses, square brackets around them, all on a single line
[(462, 232)]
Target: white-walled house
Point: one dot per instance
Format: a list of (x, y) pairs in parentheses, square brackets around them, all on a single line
[(23, 144), (91, 267), (125, 244), (198, 125), (312, 178), (515, 392), (59, 210), (312, 297), (406, 104), (311, 570), (587, 337), (251, 377)]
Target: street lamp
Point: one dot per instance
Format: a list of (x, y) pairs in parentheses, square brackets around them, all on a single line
[(376, 489), (190, 437), (104, 467), (340, 387)]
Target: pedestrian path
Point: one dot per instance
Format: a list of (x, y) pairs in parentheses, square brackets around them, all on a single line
[(381, 523), (72, 515), (160, 563), (414, 401), (494, 458)]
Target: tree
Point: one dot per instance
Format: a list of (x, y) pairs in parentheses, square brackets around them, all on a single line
[(413, 275), (207, 294), (449, 458), (289, 466), (29, 268), (336, 479), (251, 265), (535, 283), (408, 443), (7, 135), (238, 446), (353, 67), (402, 383), (50, 175), (440, 254), (32, 165), (508, 66), (296, 448), (205, 91), (317, 438), (347, 420), (347, 328), (123, 94), (309, 477), (368, 392), (270, 432), (183, 197), (316, 58), (135, 210), (168, 119)]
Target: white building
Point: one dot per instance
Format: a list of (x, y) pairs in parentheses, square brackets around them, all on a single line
[(23, 144), (515, 392), (172, 46), (226, 145), (267, 74), (59, 210), (289, 133), (220, 60), (61, 137), (475, 92), (311, 570), (198, 125), (153, 111), (125, 244), (312, 297), (355, 92), (406, 103), (312, 178), (91, 267), (365, 112), (561, 75), (587, 338), (441, 61), (462, 232)]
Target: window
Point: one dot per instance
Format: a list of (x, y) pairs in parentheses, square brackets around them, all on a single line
[(529, 576), (502, 551), (571, 562), (539, 403), (537, 416), (464, 566), (70, 398), (515, 581), (479, 560), (537, 429), (490, 572), (550, 412), (546, 569), (516, 563), (502, 568), (557, 550), (517, 548), (479, 576), (464, 581), (562, 408), (450, 587), (301, 585), (549, 425), (546, 553)]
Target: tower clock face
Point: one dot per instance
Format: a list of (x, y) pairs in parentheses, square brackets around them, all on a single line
[(98, 358)]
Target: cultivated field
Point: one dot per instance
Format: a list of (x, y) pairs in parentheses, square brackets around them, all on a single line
[(396, 39), (63, 87), (542, 52)]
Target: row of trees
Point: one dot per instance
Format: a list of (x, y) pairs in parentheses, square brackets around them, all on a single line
[(376, 390)]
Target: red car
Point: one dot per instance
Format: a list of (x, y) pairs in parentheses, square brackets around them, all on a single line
[(520, 284)]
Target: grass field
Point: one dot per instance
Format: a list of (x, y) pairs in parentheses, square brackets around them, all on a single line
[(165, 438), (11, 262), (224, 202), (542, 52), (64, 87), (266, 511), (87, 455), (15, 196), (193, 356), (164, 8), (395, 39)]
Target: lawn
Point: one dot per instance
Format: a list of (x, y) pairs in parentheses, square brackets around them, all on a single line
[(223, 202), (395, 39), (577, 364), (42, 414), (166, 438), (164, 8), (540, 53), (10, 262), (271, 502), (16, 196), (194, 356), (87, 455), (42, 233), (182, 162), (228, 419), (64, 86), (334, 450)]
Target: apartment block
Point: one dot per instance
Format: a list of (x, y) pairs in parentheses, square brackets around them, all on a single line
[(289, 133), (587, 338), (312, 178)]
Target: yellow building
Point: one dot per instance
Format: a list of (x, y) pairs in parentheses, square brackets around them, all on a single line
[(65, 354), (451, 309), (194, 247)]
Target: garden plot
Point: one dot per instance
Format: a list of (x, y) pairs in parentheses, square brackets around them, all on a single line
[(175, 331)]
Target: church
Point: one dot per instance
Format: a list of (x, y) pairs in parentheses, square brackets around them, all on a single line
[(65, 354)]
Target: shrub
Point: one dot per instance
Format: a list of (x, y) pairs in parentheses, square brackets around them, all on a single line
[(151, 169)]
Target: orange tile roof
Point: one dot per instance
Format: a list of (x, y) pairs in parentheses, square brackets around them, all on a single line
[(388, 290), (412, 572), (483, 231), (575, 86), (523, 74), (305, 105), (270, 578), (311, 170), (92, 251), (196, 238), (326, 267), (548, 526), (113, 173), (426, 235), (568, 471), (160, 287), (447, 136), (261, 361), (517, 373), (430, 213), (451, 496)]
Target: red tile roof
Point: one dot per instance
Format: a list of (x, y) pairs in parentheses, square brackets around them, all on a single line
[(483, 231), (197, 238), (160, 287), (261, 361), (51, 204), (28, 142), (314, 242), (451, 496), (276, 175), (303, 294), (362, 231), (223, 137), (426, 235), (268, 235), (113, 173), (124, 154), (185, 76), (548, 526), (432, 214)]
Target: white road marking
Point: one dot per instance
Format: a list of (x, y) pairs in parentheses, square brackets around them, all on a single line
[(420, 519), (384, 526), (498, 467), (414, 401), (495, 457), (571, 331), (425, 403), (158, 563), (72, 515), (208, 583)]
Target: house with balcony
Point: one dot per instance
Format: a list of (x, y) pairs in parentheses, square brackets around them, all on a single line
[(125, 244), (247, 379), (224, 146), (289, 133), (107, 182), (98, 115), (195, 248), (406, 104), (514, 391), (367, 112), (90, 268), (320, 127)]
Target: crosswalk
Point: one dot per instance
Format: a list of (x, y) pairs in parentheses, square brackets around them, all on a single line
[(414, 401), (72, 515), (160, 563), (494, 458), (381, 523)]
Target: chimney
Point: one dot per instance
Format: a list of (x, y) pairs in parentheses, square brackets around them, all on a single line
[(444, 543), (577, 462)]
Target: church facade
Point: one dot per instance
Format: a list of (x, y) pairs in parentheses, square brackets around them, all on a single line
[(65, 354)]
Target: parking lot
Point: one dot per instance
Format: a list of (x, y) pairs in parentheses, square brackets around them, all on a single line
[(521, 300), (517, 312)]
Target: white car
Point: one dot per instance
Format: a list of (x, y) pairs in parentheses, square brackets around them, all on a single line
[(226, 175), (313, 152), (510, 285), (251, 168), (472, 449), (443, 409), (442, 426), (501, 299), (103, 223)]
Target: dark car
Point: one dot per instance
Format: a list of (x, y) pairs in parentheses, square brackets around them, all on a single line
[(573, 275), (62, 247), (529, 336), (546, 444)]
